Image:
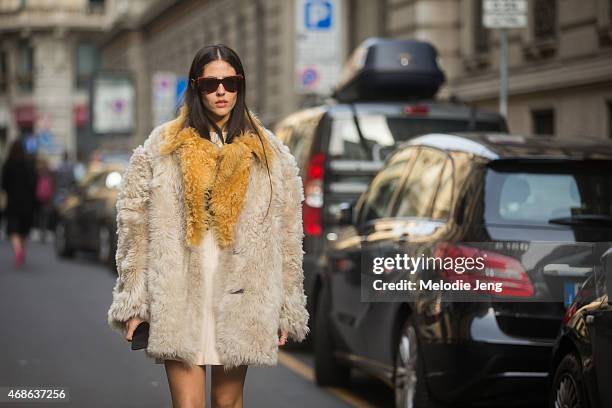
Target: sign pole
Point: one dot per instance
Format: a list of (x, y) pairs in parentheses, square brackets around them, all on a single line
[(503, 15), (503, 73)]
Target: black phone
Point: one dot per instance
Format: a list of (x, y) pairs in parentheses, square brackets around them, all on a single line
[(140, 337)]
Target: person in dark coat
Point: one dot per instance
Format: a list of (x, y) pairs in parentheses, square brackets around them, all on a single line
[(19, 182)]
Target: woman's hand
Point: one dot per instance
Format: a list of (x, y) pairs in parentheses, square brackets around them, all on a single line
[(283, 338), (131, 326)]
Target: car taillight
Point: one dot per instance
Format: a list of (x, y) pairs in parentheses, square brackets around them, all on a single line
[(417, 109), (569, 313), (497, 268), (313, 195)]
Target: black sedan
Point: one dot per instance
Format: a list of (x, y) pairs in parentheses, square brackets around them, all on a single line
[(527, 206), (582, 364), (87, 218)]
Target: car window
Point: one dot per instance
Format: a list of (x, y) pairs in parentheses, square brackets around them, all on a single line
[(444, 194), (539, 194), (380, 191), (421, 185), (389, 130), (304, 136), (299, 138)]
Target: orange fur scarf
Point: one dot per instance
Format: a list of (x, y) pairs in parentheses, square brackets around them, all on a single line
[(214, 178)]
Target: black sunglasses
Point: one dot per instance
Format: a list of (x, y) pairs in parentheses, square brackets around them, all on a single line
[(210, 84)]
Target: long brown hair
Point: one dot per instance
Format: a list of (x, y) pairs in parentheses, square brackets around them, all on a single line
[(198, 116)]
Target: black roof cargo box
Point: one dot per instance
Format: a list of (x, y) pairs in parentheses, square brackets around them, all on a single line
[(390, 69)]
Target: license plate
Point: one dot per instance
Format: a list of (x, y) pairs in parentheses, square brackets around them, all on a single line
[(570, 289)]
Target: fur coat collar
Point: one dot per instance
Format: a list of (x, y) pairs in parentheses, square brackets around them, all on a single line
[(214, 178)]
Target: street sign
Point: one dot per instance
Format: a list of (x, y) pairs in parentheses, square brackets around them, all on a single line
[(113, 103), (504, 13), (318, 40)]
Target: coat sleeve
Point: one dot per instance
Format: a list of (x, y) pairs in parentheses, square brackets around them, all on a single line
[(294, 315), (130, 293)]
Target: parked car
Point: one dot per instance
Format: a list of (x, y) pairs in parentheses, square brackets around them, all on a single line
[(581, 370), (527, 201), (339, 146), (102, 157), (87, 218)]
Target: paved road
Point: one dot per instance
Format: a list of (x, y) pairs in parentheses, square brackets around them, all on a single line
[(54, 333)]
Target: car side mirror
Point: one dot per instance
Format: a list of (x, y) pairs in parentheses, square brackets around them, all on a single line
[(344, 215)]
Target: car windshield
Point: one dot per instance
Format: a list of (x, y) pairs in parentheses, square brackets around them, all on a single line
[(388, 130), (550, 194)]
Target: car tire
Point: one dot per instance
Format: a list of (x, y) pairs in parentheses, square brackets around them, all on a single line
[(410, 388), (62, 244), (567, 387), (328, 371)]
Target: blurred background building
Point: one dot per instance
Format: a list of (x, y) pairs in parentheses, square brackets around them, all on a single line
[(48, 53), (560, 65)]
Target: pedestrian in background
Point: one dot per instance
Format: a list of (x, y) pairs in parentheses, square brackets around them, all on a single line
[(210, 239), (65, 184), (19, 182), (65, 180), (45, 191)]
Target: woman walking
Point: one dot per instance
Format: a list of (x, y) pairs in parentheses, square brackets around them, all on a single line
[(210, 239), (19, 182)]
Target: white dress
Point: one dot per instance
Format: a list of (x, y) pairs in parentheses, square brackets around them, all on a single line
[(210, 254)]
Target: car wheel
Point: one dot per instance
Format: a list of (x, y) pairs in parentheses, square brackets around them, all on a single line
[(567, 385), (409, 377), (62, 246), (328, 371)]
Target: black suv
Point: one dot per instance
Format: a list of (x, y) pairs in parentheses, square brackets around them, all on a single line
[(385, 96), (527, 203), (336, 163)]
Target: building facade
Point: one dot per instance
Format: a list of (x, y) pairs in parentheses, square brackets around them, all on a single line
[(48, 53), (560, 65), (163, 36), (560, 76)]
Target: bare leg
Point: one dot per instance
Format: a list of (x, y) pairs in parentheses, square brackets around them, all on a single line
[(187, 385), (17, 243), (227, 388)]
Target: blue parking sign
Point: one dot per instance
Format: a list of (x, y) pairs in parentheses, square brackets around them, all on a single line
[(318, 14)]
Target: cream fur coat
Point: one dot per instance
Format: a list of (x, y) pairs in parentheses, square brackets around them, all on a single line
[(160, 218)]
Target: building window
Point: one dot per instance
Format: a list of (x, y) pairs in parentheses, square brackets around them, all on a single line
[(25, 67), (87, 62), (3, 71), (481, 33), (543, 121), (96, 6), (545, 19)]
